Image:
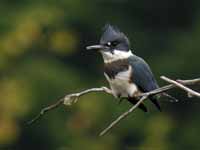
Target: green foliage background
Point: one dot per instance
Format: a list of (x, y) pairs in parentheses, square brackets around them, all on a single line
[(43, 57)]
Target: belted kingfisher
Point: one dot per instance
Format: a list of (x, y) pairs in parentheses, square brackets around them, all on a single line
[(127, 74)]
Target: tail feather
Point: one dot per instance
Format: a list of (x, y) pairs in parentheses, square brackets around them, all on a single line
[(141, 106), (154, 100), (156, 103)]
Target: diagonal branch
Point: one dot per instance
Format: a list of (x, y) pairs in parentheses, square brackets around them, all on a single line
[(69, 100), (147, 94), (181, 86), (46, 109), (73, 98), (125, 114)]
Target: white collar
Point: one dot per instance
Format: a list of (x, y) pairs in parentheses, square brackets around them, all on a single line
[(109, 57)]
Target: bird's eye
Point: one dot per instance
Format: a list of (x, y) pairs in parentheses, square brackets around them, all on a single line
[(114, 43)]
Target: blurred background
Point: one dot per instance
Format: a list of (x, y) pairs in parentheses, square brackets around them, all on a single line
[(43, 57)]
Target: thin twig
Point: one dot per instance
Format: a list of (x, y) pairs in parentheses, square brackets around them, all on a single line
[(125, 114), (146, 95), (68, 100), (188, 90), (189, 82), (171, 86), (46, 109), (73, 98)]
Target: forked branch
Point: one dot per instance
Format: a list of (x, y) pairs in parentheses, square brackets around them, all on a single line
[(144, 96), (73, 98), (68, 100)]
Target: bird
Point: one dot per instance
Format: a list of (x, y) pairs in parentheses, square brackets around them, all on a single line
[(127, 74)]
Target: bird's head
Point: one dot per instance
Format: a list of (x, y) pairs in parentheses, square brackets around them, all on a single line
[(113, 42)]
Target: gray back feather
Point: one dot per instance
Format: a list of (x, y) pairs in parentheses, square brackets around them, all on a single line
[(142, 74)]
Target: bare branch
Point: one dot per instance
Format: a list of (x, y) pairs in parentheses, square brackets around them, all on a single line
[(190, 82), (146, 95), (73, 98), (125, 114), (46, 109), (69, 100), (188, 90), (171, 86)]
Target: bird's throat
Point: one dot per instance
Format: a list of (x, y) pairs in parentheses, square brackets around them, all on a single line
[(115, 55)]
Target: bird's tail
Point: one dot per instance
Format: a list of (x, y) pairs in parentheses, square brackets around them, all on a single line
[(141, 106), (154, 100)]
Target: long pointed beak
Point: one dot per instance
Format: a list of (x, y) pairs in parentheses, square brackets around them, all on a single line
[(95, 47)]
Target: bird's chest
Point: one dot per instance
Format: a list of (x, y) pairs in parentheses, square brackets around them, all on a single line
[(119, 77)]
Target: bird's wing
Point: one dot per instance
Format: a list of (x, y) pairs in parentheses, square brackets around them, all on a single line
[(142, 75)]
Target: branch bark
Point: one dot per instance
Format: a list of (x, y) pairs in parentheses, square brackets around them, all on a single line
[(181, 86), (68, 100), (73, 98), (125, 114), (144, 96)]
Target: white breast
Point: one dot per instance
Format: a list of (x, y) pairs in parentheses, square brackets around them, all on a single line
[(121, 85)]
